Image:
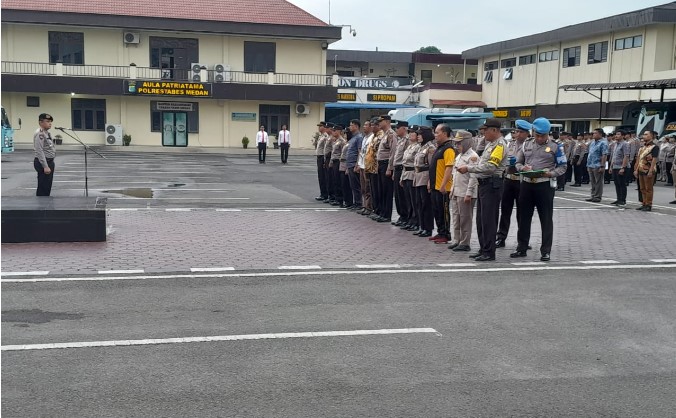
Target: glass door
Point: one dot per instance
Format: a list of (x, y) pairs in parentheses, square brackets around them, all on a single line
[(174, 129)]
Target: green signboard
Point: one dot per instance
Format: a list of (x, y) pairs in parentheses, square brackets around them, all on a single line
[(243, 116)]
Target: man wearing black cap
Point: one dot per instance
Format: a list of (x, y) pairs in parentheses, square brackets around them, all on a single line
[(319, 153), (488, 173), (387, 145), (45, 152), (397, 167)]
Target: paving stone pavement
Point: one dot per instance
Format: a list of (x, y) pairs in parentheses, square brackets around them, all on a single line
[(164, 241)]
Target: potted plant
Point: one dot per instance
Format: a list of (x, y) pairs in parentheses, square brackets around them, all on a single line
[(275, 143), (58, 139), (126, 140), (245, 142)]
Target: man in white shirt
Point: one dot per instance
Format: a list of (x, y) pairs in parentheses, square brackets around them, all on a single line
[(284, 140), (262, 141)]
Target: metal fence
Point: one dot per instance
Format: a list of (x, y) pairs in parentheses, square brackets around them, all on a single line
[(147, 73)]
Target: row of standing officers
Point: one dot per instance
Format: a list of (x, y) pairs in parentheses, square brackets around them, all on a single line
[(438, 176)]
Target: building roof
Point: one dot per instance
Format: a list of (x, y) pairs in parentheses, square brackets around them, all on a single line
[(227, 17), (425, 58), (369, 56), (653, 15), (669, 83), (277, 12)]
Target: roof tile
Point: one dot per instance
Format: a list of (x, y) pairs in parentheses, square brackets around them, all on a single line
[(246, 11)]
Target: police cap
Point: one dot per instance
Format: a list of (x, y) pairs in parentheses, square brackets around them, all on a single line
[(45, 116)]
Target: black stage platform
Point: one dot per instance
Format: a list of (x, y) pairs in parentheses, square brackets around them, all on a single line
[(53, 219)]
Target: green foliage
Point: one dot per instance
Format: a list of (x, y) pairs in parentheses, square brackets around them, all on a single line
[(429, 50), (126, 140), (245, 141)]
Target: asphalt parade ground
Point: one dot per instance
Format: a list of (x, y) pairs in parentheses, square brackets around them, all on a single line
[(224, 289)]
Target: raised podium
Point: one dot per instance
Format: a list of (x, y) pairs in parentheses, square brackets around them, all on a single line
[(53, 219)]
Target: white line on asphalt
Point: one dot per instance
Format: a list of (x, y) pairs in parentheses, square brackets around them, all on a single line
[(178, 198), (628, 201), (278, 210), (178, 209), (137, 271), (378, 266), (228, 210), (124, 209), (196, 269), (587, 203), (664, 260), (600, 262), (218, 338), (343, 272), (457, 265), (24, 273), (529, 263), (299, 268), (326, 210), (590, 209)]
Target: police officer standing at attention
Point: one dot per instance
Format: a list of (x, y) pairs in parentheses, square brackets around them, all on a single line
[(397, 167), (44, 155), (386, 149), (488, 173), (537, 191), (319, 153), (512, 182)]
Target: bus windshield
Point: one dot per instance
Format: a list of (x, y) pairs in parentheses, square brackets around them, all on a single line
[(5, 119)]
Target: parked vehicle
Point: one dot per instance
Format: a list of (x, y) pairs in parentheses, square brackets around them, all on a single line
[(7, 133)]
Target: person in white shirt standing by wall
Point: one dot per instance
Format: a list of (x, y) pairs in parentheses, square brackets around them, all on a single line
[(284, 139), (262, 141)]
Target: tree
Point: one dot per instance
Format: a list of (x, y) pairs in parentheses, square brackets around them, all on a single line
[(429, 50)]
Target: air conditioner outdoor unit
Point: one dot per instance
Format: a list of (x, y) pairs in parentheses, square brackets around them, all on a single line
[(198, 72), (113, 134), (221, 73), (302, 109), (132, 37)]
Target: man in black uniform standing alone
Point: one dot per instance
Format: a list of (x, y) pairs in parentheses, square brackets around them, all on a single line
[(44, 155)]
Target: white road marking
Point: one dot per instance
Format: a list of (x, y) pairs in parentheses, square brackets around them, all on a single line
[(343, 272), (278, 210), (218, 338), (664, 260), (136, 271), (326, 210), (24, 273), (196, 269), (177, 198), (529, 263), (228, 210), (457, 265), (299, 268), (178, 209), (628, 201), (378, 266), (124, 209), (590, 209), (600, 262)]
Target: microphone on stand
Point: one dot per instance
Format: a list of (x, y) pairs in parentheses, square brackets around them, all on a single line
[(61, 128)]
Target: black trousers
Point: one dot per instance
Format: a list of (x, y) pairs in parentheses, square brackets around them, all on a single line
[(585, 172), (329, 177), (335, 179), (425, 217), (540, 196), (670, 177), (355, 186), (411, 199), (386, 190), (348, 199), (620, 181), (376, 195), (442, 215), (262, 148), (510, 196), (400, 195), (579, 170), (321, 177), (284, 148), (569, 172), (44, 180), (487, 212)]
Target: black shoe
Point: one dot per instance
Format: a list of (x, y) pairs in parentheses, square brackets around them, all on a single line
[(648, 208), (484, 257), (382, 219), (418, 232), (343, 206), (335, 203), (452, 246), (425, 234), (462, 248), (545, 257), (641, 208), (366, 213), (475, 255), (518, 254), (530, 248), (500, 243), (405, 226), (320, 198), (589, 200), (673, 202), (412, 228), (575, 185)]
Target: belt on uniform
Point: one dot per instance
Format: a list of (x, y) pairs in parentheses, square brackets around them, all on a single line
[(398, 167), (421, 169), (383, 161), (485, 180), (515, 177), (535, 180), (409, 168)]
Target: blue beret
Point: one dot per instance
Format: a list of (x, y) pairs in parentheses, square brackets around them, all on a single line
[(523, 125), (541, 126)]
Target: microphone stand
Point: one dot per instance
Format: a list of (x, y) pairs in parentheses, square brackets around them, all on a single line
[(86, 148)]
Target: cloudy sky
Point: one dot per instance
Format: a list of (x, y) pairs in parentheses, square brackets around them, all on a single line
[(454, 26)]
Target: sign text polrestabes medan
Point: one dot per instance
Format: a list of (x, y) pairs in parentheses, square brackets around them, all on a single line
[(169, 88)]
